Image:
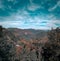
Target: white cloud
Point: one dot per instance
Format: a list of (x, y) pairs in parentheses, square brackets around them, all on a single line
[(51, 23), (11, 23), (51, 17), (55, 6), (1, 5), (58, 3), (22, 19), (31, 23), (14, 1), (11, 0), (31, 2), (32, 6)]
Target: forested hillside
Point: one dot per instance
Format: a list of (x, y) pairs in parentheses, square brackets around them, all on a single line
[(29, 44)]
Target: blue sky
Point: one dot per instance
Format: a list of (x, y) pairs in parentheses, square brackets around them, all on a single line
[(35, 14)]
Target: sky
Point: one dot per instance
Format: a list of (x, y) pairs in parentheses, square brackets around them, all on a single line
[(34, 14)]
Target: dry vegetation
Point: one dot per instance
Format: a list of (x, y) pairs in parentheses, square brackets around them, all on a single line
[(15, 48)]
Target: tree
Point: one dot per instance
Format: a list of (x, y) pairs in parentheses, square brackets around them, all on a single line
[(4, 47), (51, 50), (54, 35), (1, 31)]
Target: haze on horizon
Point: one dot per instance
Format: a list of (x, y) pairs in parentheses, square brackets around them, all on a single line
[(33, 14)]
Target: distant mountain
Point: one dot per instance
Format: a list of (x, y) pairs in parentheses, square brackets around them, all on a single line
[(17, 34)]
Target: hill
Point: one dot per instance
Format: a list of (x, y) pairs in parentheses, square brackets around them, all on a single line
[(20, 43)]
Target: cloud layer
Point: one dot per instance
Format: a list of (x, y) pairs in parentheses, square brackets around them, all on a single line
[(37, 14)]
